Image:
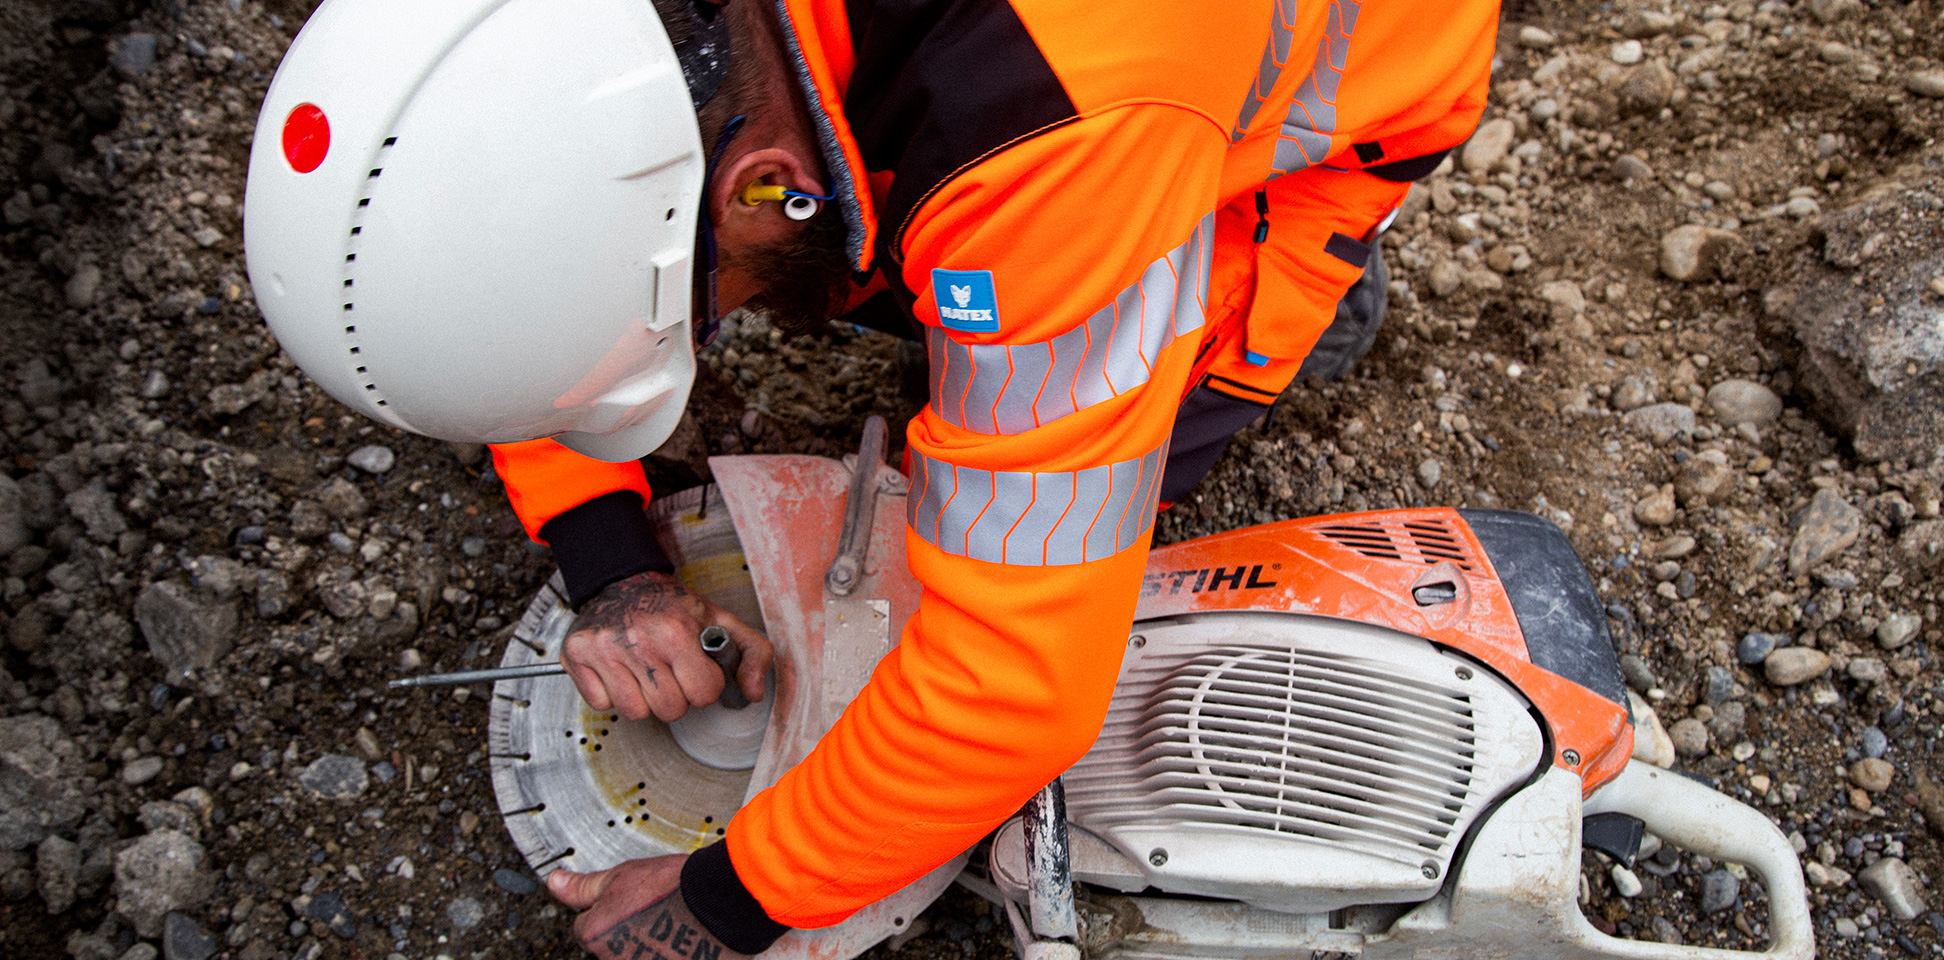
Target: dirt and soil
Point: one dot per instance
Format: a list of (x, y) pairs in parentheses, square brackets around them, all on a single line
[(208, 577)]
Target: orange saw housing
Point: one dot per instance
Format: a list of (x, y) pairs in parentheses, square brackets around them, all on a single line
[(1502, 587)]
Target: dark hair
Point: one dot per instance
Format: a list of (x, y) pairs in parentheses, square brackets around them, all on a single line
[(742, 90)]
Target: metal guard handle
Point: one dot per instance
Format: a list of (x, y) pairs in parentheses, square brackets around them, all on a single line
[(1700, 820)]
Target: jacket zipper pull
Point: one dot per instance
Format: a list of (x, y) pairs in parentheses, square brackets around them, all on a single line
[(1262, 216)]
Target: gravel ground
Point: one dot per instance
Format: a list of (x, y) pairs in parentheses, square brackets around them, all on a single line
[(1600, 312)]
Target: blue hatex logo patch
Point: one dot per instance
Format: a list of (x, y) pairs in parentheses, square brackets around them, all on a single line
[(966, 300)]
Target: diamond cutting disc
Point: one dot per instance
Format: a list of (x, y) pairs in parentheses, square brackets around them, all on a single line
[(586, 789)]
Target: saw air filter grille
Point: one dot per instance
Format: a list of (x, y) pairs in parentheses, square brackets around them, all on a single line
[(1296, 742), (1414, 541), (1323, 752)]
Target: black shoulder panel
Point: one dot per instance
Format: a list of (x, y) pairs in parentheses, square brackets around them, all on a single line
[(1559, 611), (939, 84)]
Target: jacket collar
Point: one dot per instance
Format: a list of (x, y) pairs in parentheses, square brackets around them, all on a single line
[(817, 36)]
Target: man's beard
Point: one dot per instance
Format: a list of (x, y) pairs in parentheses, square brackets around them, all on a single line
[(801, 281)]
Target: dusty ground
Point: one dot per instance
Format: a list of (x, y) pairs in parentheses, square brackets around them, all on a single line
[(152, 434)]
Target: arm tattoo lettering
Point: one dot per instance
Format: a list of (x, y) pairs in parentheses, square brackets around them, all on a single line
[(656, 934)]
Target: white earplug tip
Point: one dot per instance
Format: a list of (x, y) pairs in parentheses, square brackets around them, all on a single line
[(800, 208)]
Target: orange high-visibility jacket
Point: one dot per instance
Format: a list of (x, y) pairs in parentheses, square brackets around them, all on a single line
[(1065, 194)]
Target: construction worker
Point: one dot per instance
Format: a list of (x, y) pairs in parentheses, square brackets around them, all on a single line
[(1118, 229)]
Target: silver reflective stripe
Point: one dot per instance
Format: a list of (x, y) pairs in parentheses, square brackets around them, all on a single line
[(1034, 519), (1312, 117), (1010, 389), (1275, 56)]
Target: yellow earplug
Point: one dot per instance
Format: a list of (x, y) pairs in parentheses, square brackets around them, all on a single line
[(756, 193)]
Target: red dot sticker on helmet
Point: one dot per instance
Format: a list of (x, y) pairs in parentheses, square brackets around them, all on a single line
[(306, 137)]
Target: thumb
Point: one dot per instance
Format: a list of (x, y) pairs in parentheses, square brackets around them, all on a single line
[(577, 891)]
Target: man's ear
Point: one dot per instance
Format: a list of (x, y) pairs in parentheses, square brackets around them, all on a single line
[(772, 166)]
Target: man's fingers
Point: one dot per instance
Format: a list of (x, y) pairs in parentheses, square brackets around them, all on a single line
[(664, 695), (635, 886), (699, 677), (588, 681), (577, 891), (756, 656)]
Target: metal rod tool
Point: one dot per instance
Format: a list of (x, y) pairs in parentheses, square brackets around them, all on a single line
[(479, 676), (715, 643)]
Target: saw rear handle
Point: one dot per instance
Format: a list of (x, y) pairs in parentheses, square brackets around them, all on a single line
[(1702, 821)]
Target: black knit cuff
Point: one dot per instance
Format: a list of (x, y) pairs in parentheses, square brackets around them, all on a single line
[(718, 898), (603, 540)]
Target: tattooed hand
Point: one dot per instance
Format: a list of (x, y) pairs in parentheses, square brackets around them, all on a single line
[(636, 912), (636, 649)]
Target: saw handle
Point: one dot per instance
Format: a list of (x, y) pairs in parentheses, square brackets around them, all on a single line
[(860, 505), (1699, 820)]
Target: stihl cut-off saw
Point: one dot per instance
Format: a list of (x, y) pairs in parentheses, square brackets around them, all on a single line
[(1381, 734)]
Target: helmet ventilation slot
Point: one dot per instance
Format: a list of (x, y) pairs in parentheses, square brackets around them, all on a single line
[(361, 371)]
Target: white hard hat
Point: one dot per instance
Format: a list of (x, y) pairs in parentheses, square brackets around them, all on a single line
[(476, 219)]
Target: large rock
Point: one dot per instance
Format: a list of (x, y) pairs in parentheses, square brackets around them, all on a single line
[(1862, 328), (14, 532), (57, 865), (40, 780), (1827, 528), (161, 872), (183, 634)]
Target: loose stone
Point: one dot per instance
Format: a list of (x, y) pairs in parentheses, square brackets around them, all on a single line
[(1692, 252), (372, 459), (1895, 885), (1719, 891), (1625, 883), (1790, 666), (465, 913), (1690, 737), (1736, 402), (1827, 528), (1898, 629), (1872, 774), (1755, 647), (334, 776)]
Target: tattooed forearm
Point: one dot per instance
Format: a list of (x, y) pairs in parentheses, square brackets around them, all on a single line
[(664, 931)]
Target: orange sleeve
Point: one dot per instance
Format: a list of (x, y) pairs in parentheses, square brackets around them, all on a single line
[(544, 480), (1032, 503)]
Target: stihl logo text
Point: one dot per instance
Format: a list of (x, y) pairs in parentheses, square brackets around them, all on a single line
[(1204, 580)]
